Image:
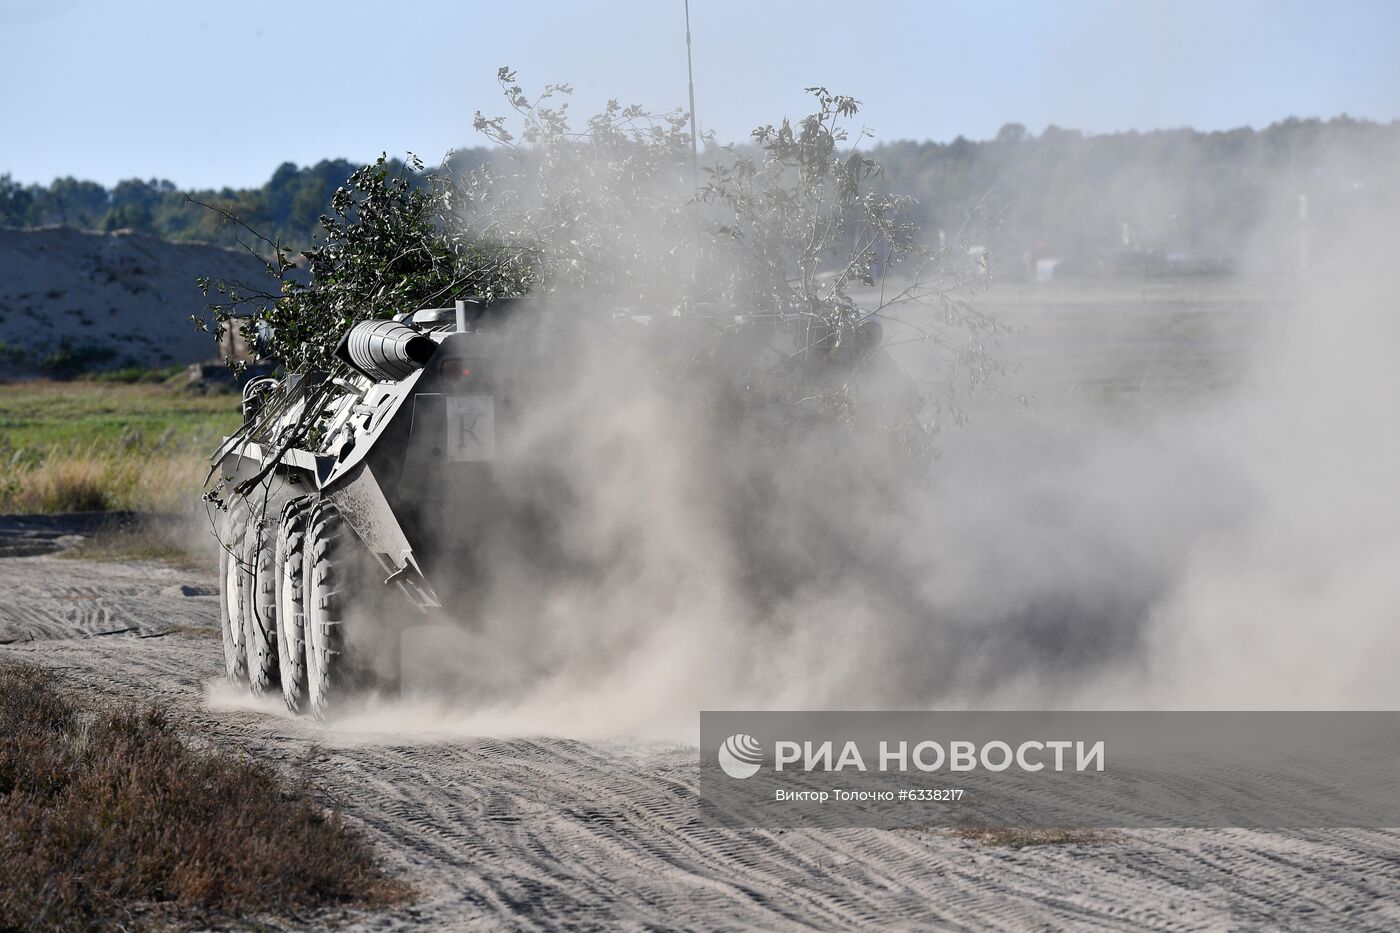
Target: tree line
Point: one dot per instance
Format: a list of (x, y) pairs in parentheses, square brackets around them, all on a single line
[(288, 206), (1060, 193)]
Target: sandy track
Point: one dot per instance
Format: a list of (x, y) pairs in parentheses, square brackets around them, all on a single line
[(539, 832)]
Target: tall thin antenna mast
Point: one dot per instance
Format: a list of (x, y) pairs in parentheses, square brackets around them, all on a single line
[(694, 165), (690, 76)]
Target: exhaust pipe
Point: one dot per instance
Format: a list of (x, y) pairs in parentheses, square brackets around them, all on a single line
[(385, 350)]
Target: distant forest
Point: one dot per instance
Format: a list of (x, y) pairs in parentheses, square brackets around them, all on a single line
[(1087, 199)]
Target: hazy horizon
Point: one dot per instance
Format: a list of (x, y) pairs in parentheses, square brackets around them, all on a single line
[(1031, 131)]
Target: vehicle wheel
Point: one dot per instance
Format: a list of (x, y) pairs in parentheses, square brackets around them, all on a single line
[(335, 562), (231, 536), (291, 618), (260, 605)]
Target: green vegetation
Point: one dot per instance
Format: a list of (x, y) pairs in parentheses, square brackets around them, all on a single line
[(69, 359), (39, 417), (109, 821), (788, 227), (135, 374), (289, 204), (97, 445)]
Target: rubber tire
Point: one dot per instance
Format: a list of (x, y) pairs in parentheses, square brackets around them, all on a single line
[(331, 559), (260, 606), (291, 612), (231, 599)]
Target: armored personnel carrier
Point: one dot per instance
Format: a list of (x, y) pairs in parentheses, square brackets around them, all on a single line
[(335, 491)]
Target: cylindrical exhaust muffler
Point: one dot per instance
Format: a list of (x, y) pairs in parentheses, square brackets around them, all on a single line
[(385, 350)]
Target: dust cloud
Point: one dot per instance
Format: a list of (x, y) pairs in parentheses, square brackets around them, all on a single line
[(1232, 549)]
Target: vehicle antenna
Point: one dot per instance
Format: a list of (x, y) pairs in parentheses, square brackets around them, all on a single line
[(690, 76)]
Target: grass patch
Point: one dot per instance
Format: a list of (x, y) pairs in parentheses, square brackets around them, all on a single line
[(97, 446), (76, 485), (132, 374), (192, 631), (108, 818), (101, 480), (1022, 837), (39, 416)]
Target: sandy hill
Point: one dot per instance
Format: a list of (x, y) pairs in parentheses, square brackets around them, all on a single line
[(112, 299)]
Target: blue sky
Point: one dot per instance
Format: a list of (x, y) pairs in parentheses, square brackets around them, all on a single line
[(207, 93)]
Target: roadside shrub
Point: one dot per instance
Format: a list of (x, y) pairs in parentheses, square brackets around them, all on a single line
[(105, 479), (109, 819), (69, 360), (135, 374), (67, 486)]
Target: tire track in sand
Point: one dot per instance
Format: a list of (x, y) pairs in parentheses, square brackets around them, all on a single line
[(539, 833)]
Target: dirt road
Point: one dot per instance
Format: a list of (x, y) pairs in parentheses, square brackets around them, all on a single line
[(533, 832)]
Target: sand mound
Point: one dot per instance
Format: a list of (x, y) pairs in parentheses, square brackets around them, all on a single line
[(111, 299)]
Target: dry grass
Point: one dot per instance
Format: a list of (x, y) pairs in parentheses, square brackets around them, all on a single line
[(1021, 837), (100, 480), (89, 446), (192, 631), (108, 819)]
